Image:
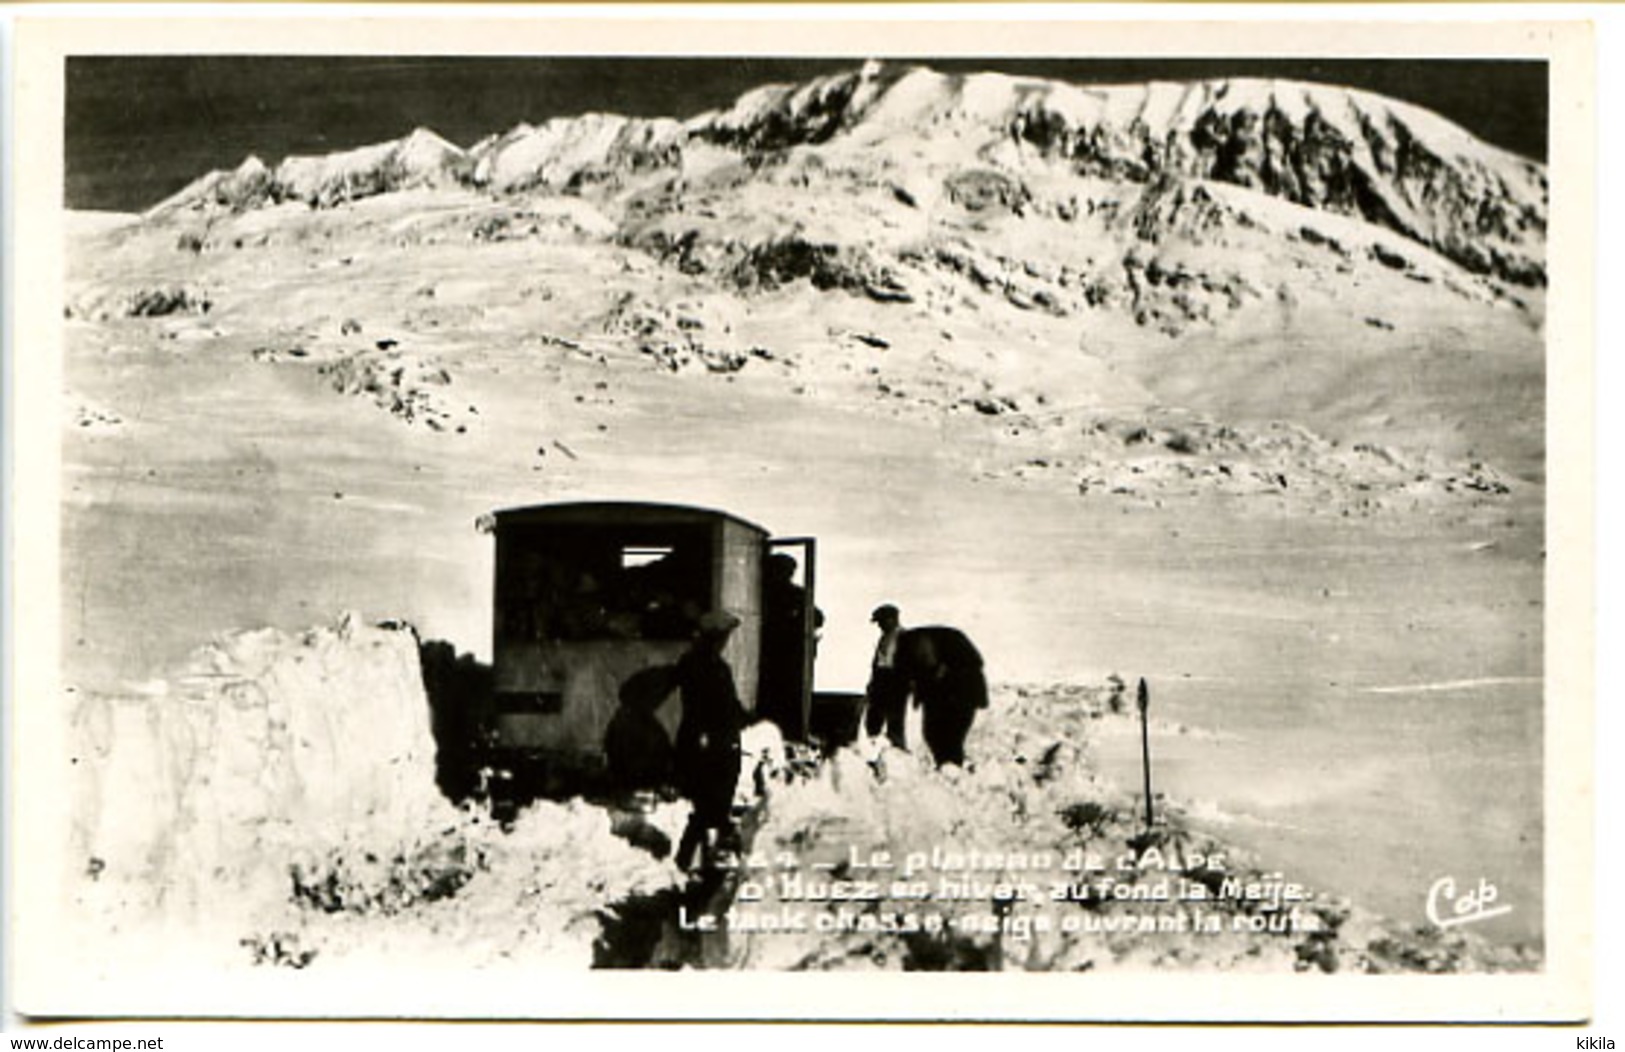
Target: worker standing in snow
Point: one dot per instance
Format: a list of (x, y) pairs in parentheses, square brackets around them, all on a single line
[(887, 693), (708, 760), (636, 746), (943, 668)]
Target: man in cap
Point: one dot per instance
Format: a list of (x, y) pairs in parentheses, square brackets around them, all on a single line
[(707, 751), (888, 688), (636, 745)]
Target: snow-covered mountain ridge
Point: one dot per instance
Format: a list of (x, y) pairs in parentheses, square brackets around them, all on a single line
[(1332, 149)]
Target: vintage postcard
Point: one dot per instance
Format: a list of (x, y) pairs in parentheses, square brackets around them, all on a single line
[(582, 515)]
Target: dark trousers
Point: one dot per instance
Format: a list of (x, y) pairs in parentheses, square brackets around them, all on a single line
[(945, 728), (887, 706), (709, 776), (950, 706)]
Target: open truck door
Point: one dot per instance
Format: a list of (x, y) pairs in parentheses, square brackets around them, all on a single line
[(790, 639)]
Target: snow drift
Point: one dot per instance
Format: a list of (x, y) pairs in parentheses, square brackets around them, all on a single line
[(276, 803), (267, 746)]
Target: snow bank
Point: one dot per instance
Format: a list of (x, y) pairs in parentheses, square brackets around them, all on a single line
[(475, 895), (268, 745), (1028, 860), (275, 805)]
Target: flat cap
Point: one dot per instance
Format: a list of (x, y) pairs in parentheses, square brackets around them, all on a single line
[(717, 622)]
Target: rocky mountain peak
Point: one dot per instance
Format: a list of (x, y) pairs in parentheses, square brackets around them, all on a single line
[(566, 152), (1329, 148)]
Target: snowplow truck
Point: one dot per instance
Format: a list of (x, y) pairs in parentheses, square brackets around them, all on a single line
[(588, 596)]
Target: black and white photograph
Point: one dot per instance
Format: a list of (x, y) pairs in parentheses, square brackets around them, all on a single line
[(534, 518)]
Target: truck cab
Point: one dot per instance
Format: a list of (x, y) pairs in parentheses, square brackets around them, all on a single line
[(592, 598)]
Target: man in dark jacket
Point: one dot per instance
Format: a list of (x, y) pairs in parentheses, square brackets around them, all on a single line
[(636, 745), (708, 736), (944, 670)]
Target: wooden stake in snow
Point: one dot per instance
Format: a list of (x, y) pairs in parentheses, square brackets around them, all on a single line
[(1144, 699)]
